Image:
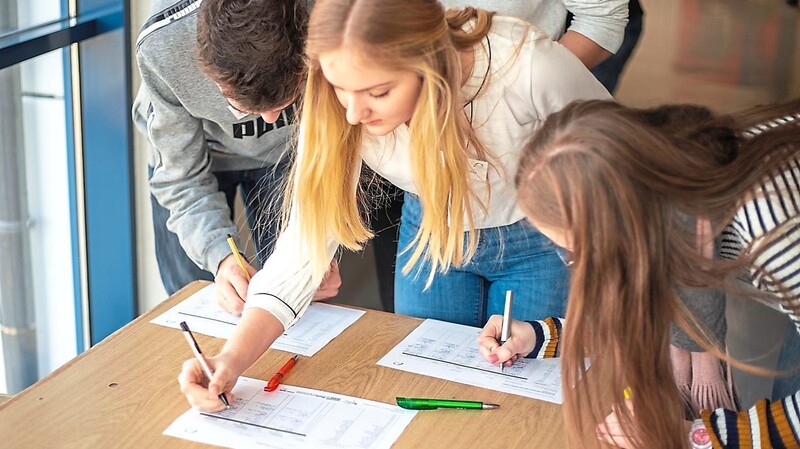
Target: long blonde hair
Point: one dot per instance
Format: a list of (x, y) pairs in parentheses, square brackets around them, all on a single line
[(627, 186), (415, 35)]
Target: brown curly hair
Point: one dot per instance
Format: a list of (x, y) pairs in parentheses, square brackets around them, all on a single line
[(253, 49)]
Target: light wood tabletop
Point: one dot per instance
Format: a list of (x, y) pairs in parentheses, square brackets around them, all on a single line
[(123, 392)]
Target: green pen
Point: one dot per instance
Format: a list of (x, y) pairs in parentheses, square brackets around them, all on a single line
[(432, 404)]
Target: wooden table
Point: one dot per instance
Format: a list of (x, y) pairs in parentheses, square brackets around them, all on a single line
[(123, 392)]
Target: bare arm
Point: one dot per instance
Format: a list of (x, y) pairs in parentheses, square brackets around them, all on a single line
[(252, 337), (584, 48), (597, 29)]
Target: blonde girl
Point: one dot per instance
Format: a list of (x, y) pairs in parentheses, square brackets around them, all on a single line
[(439, 104)]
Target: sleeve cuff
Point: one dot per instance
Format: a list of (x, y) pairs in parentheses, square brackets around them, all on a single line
[(274, 305), (610, 39), (548, 336), (215, 253)]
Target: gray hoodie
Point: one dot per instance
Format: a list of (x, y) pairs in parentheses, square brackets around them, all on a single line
[(194, 132)]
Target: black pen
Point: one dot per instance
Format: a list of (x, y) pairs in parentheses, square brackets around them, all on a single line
[(201, 358), (505, 330)]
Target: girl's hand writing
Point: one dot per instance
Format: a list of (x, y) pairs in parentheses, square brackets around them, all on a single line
[(202, 394), (520, 343)]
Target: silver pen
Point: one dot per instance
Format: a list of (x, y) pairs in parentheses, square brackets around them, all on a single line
[(505, 330)]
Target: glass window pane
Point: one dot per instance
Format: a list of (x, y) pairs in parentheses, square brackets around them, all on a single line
[(20, 14), (37, 305)]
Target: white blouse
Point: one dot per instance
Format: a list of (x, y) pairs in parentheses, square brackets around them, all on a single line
[(520, 76)]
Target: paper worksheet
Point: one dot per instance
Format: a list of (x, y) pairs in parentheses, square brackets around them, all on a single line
[(294, 418), (449, 351), (319, 325)]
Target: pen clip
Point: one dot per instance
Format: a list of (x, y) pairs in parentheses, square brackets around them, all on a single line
[(272, 385), (190, 338), (416, 407), (415, 404)]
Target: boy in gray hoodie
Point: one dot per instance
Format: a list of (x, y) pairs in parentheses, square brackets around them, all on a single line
[(218, 96)]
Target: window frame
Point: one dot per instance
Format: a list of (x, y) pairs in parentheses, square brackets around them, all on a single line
[(95, 39)]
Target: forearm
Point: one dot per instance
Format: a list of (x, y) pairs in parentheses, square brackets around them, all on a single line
[(601, 22), (588, 51), (181, 180), (254, 334), (199, 216), (765, 424), (289, 278)]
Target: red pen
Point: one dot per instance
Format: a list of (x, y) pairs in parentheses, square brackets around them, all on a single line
[(276, 379)]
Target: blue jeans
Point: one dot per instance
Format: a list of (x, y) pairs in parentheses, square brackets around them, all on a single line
[(516, 257), (259, 188)]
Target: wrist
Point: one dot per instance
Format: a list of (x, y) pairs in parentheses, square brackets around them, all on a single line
[(529, 340), (214, 254), (255, 332), (229, 358), (698, 436), (221, 266)]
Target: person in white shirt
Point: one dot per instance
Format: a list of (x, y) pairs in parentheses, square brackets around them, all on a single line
[(439, 105), (591, 29)]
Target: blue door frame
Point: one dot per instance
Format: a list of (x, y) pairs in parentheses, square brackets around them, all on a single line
[(103, 182)]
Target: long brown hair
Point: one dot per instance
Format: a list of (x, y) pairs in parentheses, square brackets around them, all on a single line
[(415, 35), (627, 187)]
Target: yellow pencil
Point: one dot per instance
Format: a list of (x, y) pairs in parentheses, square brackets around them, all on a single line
[(238, 257)]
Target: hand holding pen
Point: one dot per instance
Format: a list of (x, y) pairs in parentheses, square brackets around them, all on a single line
[(198, 372), (520, 344), (520, 340), (232, 279), (505, 326)]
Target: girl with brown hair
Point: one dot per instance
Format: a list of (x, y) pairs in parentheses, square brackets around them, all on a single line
[(633, 196)]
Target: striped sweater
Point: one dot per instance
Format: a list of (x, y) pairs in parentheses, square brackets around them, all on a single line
[(768, 222), (765, 425)]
